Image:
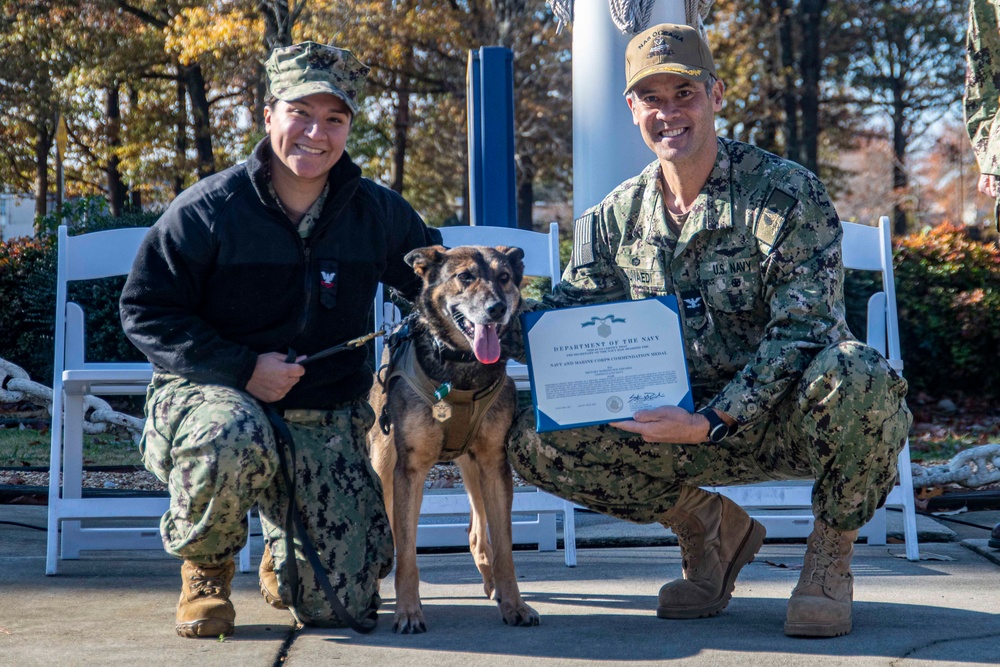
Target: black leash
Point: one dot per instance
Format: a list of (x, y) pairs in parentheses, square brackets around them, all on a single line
[(349, 345), (293, 523)]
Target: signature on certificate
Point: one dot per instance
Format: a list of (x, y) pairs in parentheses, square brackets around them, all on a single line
[(646, 396)]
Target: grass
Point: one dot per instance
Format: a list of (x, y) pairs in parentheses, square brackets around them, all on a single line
[(30, 447)]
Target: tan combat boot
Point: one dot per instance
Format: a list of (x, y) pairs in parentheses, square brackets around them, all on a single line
[(204, 609), (269, 581), (717, 538), (821, 603)]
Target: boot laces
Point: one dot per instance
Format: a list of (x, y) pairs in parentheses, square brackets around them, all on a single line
[(685, 541), (206, 583), (826, 550)]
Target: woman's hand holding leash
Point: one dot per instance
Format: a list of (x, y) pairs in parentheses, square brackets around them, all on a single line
[(273, 377)]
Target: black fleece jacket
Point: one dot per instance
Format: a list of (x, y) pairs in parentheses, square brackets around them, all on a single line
[(224, 276)]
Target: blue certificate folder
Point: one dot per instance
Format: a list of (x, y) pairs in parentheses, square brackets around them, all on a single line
[(602, 363)]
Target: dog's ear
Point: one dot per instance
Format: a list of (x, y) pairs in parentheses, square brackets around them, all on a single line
[(516, 258), (424, 260)]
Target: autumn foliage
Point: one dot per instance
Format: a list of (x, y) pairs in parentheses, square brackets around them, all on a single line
[(948, 293)]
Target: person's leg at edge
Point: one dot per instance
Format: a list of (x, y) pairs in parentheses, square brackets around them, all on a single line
[(616, 473), (843, 425), (214, 449)]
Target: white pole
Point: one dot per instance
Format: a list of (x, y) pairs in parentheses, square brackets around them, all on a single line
[(607, 147)]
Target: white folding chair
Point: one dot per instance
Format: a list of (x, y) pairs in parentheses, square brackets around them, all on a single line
[(87, 257), (541, 259), (864, 248)]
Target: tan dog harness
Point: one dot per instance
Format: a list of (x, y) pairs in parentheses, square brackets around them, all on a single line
[(468, 406)]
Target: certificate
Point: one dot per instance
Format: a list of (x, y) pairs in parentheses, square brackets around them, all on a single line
[(602, 363)]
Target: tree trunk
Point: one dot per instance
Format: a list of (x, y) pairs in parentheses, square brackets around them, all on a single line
[(43, 144), (112, 112), (811, 65), (195, 81), (402, 125), (277, 33), (277, 23), (900, 179), (180, 141), (506, 12), (786, 42)]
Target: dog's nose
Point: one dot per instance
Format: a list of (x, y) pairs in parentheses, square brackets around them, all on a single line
[(497, 310)]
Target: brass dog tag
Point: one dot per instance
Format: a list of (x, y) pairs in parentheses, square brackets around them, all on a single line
[(442, 411)]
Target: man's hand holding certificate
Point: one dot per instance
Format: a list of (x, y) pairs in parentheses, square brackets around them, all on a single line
[(603, 363)]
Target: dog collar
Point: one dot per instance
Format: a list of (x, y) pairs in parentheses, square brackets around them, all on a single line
[(447, 354)]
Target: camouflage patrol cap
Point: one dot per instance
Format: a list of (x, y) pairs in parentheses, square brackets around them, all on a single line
[(668, 48), (296, 71)]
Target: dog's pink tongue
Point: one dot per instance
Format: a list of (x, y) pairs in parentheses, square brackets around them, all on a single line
[(486, 345)]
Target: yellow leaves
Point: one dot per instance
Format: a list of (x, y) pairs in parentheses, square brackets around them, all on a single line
[(195, 34)]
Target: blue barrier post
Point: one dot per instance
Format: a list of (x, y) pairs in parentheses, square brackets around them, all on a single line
[(490, 81)]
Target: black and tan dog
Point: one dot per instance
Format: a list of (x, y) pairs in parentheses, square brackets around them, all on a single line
[(448, 398)]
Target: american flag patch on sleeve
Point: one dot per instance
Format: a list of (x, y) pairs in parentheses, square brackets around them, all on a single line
[(583, 240)]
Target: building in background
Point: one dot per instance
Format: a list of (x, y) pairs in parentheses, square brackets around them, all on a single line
[(17, 215)]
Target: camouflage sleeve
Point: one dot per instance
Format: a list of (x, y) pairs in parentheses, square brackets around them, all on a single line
[(591, 275), (982, 83), (804, 287)]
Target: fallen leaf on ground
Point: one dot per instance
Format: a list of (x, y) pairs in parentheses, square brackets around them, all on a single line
[(926, 556), (784, 566), (960, 510)]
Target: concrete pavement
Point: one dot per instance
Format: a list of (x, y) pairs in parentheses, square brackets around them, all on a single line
[(117, 608)]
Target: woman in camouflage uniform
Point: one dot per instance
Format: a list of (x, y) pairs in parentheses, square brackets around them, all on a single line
[(283, 252)]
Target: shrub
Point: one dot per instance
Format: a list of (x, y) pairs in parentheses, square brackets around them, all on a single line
[(948, 293), (27, 290)]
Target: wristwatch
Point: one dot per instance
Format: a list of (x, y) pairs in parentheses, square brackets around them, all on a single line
[(718, 430)]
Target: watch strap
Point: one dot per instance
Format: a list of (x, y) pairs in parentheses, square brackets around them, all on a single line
[(718, 430)]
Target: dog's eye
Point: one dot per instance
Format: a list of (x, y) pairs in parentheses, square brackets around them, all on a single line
[(464, 277), (504, 278)]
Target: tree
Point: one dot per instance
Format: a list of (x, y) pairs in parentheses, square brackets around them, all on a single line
[(947, 172), (280, 17), (911, 70), (30, 71), (419, 52), (782, 61), (744, 39)]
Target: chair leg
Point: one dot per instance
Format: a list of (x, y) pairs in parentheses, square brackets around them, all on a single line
[(245, 565), (569, 533), (875, 530), (909, 508), (52, 540)]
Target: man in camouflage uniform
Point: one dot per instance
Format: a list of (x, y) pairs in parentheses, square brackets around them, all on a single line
[(283, 252), (982, 87), (982, 101), (750, 246)]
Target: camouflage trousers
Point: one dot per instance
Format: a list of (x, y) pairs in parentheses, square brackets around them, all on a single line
[(215, 449), (842, 425)]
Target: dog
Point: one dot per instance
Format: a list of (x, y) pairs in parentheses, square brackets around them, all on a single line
[(454, 344)]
